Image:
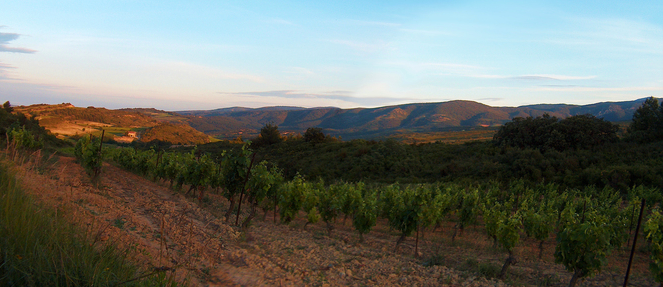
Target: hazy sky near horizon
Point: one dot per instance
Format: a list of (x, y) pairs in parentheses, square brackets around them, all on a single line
[(180, 55)]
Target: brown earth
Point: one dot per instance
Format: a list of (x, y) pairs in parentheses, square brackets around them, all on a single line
[(167, 229)]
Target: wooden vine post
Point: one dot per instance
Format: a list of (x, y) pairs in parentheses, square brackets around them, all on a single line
[(635, 241)]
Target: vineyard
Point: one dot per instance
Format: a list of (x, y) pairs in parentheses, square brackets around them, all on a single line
[(587, 224)]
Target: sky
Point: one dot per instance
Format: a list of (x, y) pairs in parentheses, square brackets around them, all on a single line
[(184, 55)]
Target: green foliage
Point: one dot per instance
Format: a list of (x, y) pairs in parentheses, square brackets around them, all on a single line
[(654, 231), (235, 168), (330, 202), (140, 162), (169, 167), (7, 107), (546, 132), (200, 171), (313, 216), (24, 132), (402, 207), (647, 124), (584, 242), (493, 214), (538, 225), (366, 214), (291, 199), (24, 139), (314, 135), (351, 196), (467, 207), (264, 182), (508, 232), (89, 154), (269, 135), (619, 165), (311, 201)]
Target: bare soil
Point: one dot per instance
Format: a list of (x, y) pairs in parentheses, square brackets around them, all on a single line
[(164, 228)]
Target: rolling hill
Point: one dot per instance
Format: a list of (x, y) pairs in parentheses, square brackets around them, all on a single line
[(384, 121), (390, 121)]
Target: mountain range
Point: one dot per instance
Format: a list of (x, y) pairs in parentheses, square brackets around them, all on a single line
[(368, 123), (381, 121)]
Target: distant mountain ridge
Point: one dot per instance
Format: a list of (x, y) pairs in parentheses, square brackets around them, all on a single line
[(382, 120), (366, 123)]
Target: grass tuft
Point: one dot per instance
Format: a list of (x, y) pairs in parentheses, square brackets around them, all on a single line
[(39, 247)]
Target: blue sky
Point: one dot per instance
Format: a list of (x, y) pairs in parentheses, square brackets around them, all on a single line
[(211, 54)]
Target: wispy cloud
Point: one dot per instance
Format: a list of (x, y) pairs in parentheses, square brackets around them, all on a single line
[(5, 38), (4, 74), (330, 95), (552, 77)]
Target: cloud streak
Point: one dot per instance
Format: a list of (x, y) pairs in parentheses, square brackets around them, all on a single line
[(4, 74), (5, 38)]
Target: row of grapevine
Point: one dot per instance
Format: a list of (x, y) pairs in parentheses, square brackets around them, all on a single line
[(90, 155), (588, 223)]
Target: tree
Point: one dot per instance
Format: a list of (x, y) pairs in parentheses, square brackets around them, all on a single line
[(546, 133), (587, 131), (269, 135), (647, 124), (7, 107), (314, 135)]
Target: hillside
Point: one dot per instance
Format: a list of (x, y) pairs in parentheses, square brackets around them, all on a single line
[(421, 122), (65, 119), (174, 133), (390, 120), (50, 115), (170, 230)]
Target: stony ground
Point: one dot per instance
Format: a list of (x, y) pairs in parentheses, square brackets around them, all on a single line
[(164, 228)]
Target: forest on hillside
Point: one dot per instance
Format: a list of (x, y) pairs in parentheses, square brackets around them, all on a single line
[(577, 151)]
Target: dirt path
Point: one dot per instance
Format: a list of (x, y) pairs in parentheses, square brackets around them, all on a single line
[(167, 229)]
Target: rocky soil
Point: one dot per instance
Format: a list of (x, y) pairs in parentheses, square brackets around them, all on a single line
[(164, 228)]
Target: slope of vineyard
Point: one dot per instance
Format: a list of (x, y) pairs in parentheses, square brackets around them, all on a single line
[(168, 229)]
